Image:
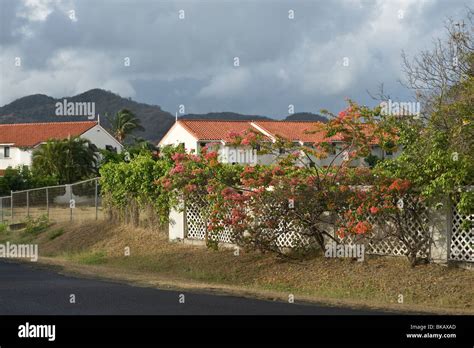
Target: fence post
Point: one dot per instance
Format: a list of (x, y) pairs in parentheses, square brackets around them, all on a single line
[(27, 204), (177, 223), (96, 199), (47, 202), (11, 205), (70, 201), (1, 207), (440, 223)]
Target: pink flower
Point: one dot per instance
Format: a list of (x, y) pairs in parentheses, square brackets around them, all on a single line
[(190, 188), (374, 210), (294, 181), (195, 158), (211, 155), (196, 171), (362, 227), (179, 168), (167, 183), (178, 157)]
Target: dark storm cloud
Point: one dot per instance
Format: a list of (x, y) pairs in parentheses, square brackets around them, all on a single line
[(190, 61)]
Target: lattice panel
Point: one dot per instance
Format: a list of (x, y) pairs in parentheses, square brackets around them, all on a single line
[(293, 238), (196, 223), (287, 236), (462, 240), (377, 243)]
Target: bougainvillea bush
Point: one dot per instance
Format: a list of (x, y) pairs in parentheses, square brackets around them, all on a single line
[(389, 209), (265, 205)]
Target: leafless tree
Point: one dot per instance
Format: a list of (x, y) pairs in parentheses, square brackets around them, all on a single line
[(433, 73)]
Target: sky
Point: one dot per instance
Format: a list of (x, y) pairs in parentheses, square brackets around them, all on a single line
[(254, 57)]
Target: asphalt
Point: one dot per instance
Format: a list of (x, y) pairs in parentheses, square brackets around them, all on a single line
[(30, 290)]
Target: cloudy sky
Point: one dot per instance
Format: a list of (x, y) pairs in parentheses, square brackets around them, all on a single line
[(327, 51)]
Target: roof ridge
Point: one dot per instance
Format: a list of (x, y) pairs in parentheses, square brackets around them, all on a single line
[(292, 121), (210, 120), (219, 120), (38, 123)]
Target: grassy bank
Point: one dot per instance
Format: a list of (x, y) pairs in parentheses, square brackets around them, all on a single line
[(98, 249)]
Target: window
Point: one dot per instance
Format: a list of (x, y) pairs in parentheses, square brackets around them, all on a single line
[(6, 152), (388, 153), (110, 148)]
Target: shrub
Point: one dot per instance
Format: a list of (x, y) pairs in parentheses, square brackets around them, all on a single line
[(36, 226), (130, 187)]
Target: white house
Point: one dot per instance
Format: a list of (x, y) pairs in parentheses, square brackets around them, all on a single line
[(17, 141), (195, 134)]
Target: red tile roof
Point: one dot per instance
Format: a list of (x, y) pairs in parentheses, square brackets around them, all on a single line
[(218, 130), (301, 131), (32, 134), (305, 131)]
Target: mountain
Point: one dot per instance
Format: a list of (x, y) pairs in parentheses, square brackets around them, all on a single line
[(41, 108), (223, 116), (306, 116), (300, 116)]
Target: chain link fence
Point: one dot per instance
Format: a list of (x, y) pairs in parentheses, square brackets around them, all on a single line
[(80, 201)]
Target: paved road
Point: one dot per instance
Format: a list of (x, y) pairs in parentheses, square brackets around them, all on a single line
[(29, 290)]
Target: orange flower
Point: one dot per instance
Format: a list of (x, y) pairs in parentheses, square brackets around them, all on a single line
[(362, 227), (374, 210)]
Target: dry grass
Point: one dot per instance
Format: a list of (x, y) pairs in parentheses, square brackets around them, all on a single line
[(377, 282)]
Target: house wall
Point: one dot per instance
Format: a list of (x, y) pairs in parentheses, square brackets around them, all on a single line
[(177, 135), (17, 157), (101, 138)]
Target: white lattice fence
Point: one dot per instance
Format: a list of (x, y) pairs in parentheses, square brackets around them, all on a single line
[(287, 235), (462, 238), (382, 242), (197, 223), (379, 242)]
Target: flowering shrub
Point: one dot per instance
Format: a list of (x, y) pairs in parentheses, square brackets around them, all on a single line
[(399, 212), (261, 203)]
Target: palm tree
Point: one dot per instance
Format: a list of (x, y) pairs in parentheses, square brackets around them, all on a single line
[(123, 124), (68, 160)]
